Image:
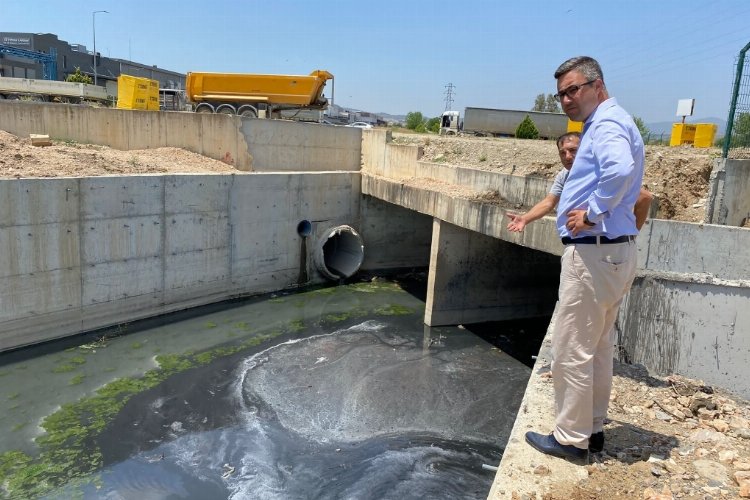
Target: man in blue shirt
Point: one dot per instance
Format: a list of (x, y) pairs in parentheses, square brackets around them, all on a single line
[(596, 223), (567, 147)]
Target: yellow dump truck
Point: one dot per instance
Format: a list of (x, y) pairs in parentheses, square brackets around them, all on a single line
[(255, 95)]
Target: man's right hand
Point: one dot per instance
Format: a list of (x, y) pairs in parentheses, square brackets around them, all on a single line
[(516, 223)]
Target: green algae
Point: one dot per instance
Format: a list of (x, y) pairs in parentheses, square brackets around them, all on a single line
[(393, 310), (13, 395), (136, 345), (296, 326), (64, 368), (337, 317), (66, 455), (76, 380), (374, 286), (242, 325)]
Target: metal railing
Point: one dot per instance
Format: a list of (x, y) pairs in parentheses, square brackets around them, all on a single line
[(737, 137)]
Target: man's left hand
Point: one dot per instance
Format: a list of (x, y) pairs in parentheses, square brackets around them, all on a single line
[(576, 222)]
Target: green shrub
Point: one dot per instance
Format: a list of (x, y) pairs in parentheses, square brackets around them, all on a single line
[(79, 77), (526, 129)]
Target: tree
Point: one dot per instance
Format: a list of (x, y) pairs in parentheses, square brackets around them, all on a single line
[(414, 119), (526, 129), (79, 77), (551, 105), (642, 128), (433, 125), (539, 103)]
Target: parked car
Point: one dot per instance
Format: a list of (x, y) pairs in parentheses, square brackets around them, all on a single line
[(360, 125)]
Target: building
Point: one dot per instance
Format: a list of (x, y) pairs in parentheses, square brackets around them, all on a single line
[(72, 56)]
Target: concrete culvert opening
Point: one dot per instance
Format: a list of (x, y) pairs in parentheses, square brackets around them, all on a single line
[(339, 253)]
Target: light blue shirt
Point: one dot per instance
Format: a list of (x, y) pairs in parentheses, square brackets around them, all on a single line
[(607, 174)]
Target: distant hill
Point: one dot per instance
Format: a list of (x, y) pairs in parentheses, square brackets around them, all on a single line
[(391, 118), (666, 127)]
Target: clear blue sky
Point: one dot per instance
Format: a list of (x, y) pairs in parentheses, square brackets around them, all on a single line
[(398, 56)]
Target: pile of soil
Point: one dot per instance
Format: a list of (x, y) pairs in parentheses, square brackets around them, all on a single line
[(18, 158)]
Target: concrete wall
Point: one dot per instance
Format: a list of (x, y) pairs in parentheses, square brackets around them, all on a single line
[(246, 143), (475, 278), (80, 254), (394, 237), (729, 193), (689, 326), (282, 146)]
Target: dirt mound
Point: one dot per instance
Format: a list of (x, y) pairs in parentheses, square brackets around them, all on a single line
[(18, 158), (677, 176)]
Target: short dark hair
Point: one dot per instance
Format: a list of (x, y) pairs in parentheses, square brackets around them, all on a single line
[(569, 135), (584, 64)]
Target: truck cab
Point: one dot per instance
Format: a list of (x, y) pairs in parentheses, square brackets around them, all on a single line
[(450, 123)]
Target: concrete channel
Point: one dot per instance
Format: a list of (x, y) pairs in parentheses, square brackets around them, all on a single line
[(315, 203)]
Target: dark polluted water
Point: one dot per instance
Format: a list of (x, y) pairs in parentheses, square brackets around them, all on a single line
[(337, 393)]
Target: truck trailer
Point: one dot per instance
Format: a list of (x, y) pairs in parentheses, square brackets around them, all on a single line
[(255, 95), (503, 122), (50, 90)]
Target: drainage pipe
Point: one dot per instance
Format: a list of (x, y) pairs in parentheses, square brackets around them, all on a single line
[(339, 253)]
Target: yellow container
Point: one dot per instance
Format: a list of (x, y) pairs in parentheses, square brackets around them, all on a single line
[(682, 133), (134, 92), (575, 126), (704, 135), (153, 103)]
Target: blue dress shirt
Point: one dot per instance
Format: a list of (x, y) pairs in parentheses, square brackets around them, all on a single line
[(607, 174)]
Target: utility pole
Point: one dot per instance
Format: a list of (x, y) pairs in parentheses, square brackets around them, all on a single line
[(449, 96), (93, 25)]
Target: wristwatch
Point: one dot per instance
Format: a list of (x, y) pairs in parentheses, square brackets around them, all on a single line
[(586, 219)]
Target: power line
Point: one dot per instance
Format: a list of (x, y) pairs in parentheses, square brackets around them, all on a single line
[(449, 96)]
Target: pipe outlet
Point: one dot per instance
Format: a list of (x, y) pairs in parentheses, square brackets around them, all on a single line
[(339, 253)]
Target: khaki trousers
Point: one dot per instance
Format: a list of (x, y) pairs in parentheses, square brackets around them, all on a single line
[(593, 281)]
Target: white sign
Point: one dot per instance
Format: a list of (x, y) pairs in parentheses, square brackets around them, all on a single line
[(685, 107)]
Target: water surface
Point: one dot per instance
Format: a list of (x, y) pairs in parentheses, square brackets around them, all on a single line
[(331, 393)]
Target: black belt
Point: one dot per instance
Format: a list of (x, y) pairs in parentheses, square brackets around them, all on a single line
[(593, 240)]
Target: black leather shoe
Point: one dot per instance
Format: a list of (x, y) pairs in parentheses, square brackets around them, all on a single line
[(549, 446), (596, 442)]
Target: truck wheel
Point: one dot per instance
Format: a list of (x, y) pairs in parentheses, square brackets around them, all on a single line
[(204, 109), (226, 110), (247, 112)]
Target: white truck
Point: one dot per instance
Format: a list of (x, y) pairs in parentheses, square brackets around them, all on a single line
[(502, 122), (50, 90)]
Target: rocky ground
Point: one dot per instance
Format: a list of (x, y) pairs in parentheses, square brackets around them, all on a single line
[(667, 437)]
